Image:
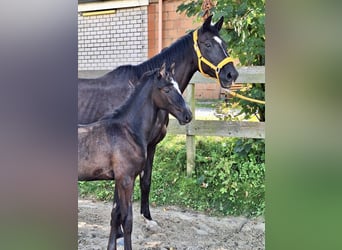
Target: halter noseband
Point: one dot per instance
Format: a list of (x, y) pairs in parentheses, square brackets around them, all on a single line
[(201, 59)]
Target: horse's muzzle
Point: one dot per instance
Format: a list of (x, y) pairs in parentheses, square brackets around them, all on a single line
[(228, 76), (187, 117)]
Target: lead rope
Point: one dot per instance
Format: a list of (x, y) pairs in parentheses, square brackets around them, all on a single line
[(243, 97)]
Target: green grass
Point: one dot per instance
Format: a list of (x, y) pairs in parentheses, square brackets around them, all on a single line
[(229, 177)]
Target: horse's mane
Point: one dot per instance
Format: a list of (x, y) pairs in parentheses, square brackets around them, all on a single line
[(175, 53), (168, 55)]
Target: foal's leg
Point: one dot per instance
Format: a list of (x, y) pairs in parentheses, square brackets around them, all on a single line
[(115, 223), (145, 178), (145, 183), (125, 191)]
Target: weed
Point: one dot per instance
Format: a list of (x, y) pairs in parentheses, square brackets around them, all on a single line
[(228, 179)]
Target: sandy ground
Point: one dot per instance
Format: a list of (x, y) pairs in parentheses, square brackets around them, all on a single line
[(173, 228)]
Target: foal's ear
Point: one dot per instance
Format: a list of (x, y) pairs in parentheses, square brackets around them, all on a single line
[(207, 23), (218, 25), (172, 68), (162, 71)]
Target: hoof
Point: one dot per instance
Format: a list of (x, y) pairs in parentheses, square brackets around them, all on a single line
[(120, 242), (151, 226)]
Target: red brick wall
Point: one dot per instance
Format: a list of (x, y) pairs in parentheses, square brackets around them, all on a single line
[(175, 25)]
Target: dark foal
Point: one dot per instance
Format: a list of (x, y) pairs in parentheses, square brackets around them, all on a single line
[(100, 96), (115, 147)]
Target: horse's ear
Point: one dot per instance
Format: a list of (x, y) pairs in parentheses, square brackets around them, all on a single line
[(207, 23), (172, 68), (162, 71), (218, 25)]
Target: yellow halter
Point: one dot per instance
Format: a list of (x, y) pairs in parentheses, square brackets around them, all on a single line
[(201, 59), (217, 68)]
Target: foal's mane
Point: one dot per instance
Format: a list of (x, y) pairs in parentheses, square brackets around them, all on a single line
[(146, 80)]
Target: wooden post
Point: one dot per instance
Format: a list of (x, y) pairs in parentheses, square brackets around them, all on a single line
[(190, 138)]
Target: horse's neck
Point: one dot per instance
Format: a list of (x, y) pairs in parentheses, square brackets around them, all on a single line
[(181, 53), (184, 74)]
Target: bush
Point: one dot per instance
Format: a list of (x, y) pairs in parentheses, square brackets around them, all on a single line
[(101, 190), (244, 31), (229, 176)]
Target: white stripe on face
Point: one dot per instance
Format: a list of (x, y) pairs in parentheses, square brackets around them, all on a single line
[(175, 85), (219, 41)]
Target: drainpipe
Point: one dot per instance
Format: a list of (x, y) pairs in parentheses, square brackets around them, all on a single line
[(160, 25)]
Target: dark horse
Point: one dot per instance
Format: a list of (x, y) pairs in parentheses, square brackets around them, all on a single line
[(115, 147), (202, 50)]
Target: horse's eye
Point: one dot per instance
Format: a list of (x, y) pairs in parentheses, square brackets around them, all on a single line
[(166, 89), (208, 45)]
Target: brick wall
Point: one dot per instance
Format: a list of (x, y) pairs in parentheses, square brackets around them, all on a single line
[(111, 40), (175, 24)]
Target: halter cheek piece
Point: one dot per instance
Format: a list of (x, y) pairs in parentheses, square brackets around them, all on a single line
[(217, 68), (201, 59)]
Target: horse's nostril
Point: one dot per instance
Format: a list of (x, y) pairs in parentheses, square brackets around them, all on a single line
[(229, 76), (235, 75)]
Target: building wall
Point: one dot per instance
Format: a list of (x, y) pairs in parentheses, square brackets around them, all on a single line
[(174, 24), (110, 40)]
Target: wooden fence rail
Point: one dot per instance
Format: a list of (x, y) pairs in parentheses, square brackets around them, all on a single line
[(255, 74), (219, 128), (244, 129)]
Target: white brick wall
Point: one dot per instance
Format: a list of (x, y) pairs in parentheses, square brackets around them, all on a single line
[(108, 41)]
